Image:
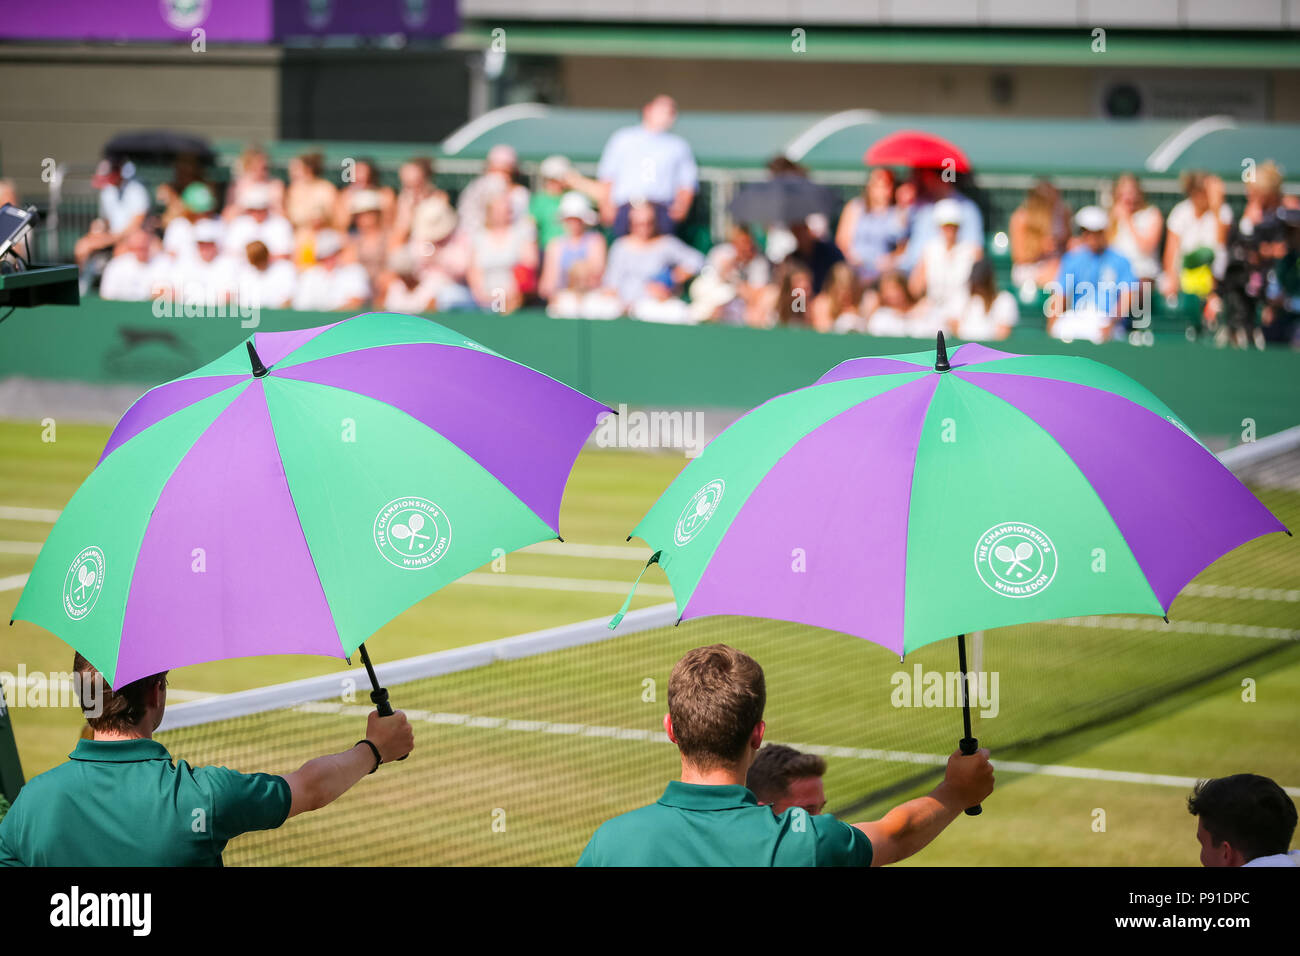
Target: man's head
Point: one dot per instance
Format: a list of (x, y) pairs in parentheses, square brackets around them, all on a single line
[(137, 244), (257, 202), (1092, 222), (416, 174), (659, 114), (641, 220), (716, 697), (107, 173), (134, 710), (782, 777), (502, 160), (207, 238), (1240, 818), (329, 244)]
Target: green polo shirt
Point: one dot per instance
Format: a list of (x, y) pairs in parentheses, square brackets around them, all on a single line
[(700, 825), (124, 803)]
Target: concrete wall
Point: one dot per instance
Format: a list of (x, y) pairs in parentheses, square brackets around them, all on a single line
[(65, 102), (611, 82)]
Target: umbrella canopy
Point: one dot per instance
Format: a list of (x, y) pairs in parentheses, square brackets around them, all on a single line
[(783, 199), (302, 490), (906, 504), (919, 150)]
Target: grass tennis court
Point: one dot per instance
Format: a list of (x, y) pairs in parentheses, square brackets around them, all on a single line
[(493, 746)]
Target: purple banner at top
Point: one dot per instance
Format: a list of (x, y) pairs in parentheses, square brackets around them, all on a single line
[(224, 21)]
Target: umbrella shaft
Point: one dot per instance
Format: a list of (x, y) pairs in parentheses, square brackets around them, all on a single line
[(965, 697)]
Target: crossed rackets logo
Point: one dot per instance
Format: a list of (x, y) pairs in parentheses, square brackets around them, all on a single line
[(1015, 559), (412, 533), (83, 583), (698, 511)]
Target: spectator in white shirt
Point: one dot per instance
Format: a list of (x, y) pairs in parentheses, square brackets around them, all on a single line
[(405, 291), (987, 313), (123, 204), (137, 273), (331, 285), (207, 278), (941, 278), (648, 163), (1244, 820), (264, 281), (1197, 237), (259, 224), (1136, 227)]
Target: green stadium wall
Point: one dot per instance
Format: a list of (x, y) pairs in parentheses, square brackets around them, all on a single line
[(646, 364)]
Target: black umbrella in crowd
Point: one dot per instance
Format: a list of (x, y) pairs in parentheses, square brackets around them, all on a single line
[(782, 199), (158, 147)]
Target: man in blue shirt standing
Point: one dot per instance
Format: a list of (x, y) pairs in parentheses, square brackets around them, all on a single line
[(648, 163), (1095, 286)]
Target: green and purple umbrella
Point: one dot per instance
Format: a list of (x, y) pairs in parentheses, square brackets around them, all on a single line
[(907, 499), (300, 491)]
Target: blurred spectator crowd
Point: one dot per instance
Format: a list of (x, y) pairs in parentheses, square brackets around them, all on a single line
[(904, 257)]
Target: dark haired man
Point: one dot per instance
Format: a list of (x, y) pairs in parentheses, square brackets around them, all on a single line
[(1244, 820), (121, 801), (781, 777), (716, 697)]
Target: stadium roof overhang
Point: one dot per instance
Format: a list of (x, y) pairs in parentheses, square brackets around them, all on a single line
[(837, 141), (1073, 47)]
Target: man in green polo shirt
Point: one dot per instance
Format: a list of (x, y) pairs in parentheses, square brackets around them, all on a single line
[(121, 801), (716, 697)]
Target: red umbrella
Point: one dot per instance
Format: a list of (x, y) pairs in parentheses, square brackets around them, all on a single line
[(909, 147)]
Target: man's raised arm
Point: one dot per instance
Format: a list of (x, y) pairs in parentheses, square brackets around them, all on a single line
[(321, 781), (910, 827)]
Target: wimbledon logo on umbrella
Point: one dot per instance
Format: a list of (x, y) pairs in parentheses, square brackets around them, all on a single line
[(1015, 560), (412, 533), (698, 511), (83, 583)]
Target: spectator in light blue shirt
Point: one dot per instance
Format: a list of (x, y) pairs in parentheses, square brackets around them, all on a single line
[(1094, 287), (932, 187), (648, 163)]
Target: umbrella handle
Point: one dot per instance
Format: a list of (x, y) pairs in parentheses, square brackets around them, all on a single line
[(968, 746), (379, 695)]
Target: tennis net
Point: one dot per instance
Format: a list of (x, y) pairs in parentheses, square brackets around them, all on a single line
[(526, 744)]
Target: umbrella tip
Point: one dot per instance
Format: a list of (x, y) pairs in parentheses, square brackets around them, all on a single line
[(1166, 617), (258, 368), (940, 354)]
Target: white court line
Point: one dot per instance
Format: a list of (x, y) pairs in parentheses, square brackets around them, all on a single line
[(20, 547), (571, 549), (1175, 626), (592, 585), (12, 513), (854, 753), (1250, 594), (13, 582)]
